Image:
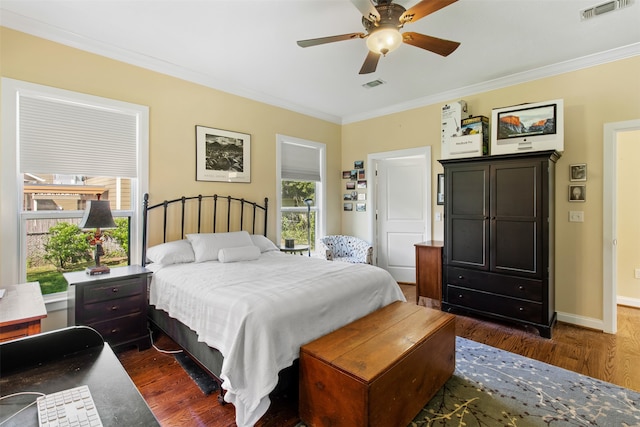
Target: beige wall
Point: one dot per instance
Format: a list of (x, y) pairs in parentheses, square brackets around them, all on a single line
[(628, 250), (592, 97), (175, 108)]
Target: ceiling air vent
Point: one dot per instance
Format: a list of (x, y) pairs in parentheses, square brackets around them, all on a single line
[(373, 83), (602, 8)]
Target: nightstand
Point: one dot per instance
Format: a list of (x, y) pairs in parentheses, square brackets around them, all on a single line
[(21, 309), (297, 249), (114, 304)]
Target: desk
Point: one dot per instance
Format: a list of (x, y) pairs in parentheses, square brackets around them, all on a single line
[(67, 358), (297, 249), (21, 310)]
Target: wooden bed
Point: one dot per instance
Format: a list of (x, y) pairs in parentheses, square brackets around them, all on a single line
[(256, 311)]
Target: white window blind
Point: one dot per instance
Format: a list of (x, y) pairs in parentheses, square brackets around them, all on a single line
[(57, 136), (299, 162)]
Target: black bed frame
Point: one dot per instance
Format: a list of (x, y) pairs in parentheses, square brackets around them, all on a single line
[(223, 209), (233, 205)]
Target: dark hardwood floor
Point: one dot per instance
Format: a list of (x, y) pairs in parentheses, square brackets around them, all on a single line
[(177, 401)]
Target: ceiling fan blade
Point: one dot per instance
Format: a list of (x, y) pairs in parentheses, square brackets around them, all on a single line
[(370, 63), (424, 8), (367, 9), (330, 39), (440, 46)]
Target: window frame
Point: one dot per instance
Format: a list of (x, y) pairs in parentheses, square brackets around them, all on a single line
[(319, 206), (13, 249)]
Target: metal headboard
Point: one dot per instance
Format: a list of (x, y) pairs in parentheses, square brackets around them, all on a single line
[(227, 205)]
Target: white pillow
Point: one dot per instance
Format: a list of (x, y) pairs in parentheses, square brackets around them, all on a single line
[(207, 245), (240, 253), (176, 252), (263, 243)]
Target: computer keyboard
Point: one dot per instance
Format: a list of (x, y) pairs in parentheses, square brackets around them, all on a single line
[(72, 407)]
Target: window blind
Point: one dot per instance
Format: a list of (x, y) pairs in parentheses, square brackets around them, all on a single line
[(57, 136), (299, 162)]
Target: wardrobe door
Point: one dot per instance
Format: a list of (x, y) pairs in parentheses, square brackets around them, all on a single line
[(467, 216), (515, 216)]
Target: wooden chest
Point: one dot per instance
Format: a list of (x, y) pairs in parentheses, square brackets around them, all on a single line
[(379, 370)]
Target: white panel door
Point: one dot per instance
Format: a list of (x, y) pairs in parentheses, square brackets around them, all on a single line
[(402, 214)]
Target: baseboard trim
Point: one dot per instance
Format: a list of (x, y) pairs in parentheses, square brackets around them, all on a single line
[(629, 302), (587, 322)]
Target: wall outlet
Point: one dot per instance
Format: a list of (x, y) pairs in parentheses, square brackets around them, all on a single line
[(576, 216), (637, 273)]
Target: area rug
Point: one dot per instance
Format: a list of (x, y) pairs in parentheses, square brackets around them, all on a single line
[(492, 387), (204, 381)]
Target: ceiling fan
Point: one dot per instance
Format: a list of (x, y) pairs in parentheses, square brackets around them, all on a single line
[(383, 21)]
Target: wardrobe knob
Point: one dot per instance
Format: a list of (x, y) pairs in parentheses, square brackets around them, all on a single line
[(461, 277), (521, 287)]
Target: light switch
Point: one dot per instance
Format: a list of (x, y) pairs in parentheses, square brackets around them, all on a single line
[(576, 216), (438, 216)]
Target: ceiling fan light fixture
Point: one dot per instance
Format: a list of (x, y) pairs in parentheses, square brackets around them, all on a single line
[(384, 40)]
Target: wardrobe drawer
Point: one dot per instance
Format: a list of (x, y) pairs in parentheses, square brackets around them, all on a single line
[(517, 287), (495, 304)]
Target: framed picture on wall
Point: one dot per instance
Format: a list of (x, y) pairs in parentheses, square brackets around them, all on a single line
[(577, 193), (348, 206), (222, 155), (440, 193), (578, 172), (351, 185)]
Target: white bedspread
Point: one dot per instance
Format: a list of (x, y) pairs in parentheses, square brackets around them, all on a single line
[(258, 313)]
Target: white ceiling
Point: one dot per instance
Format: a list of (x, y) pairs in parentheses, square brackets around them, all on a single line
[(249, 48)]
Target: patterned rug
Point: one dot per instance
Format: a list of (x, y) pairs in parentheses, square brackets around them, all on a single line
[(492, 387)]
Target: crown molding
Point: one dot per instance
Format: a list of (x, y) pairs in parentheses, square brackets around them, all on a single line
[(506, 81), (46, 31), (49, 32)]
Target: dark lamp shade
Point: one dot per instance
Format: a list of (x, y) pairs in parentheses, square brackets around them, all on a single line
[(97, 215)]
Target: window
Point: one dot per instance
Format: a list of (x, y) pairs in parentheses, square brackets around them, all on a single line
[(63, 148), (300, 175)]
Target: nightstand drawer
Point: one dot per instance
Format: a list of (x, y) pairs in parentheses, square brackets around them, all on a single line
[(112, 308), (122, 329), (112, 290)]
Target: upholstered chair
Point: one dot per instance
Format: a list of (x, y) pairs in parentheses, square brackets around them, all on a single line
[(347, 248)]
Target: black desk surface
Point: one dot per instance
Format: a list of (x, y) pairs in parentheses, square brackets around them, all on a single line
[(65, 359)]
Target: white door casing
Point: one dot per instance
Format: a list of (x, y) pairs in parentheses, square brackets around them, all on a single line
[(402, 205)]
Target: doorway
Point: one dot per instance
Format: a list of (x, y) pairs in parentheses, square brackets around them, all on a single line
[(401, 214), (611, 135)]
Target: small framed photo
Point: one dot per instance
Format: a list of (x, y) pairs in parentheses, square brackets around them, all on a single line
[(347, 196), (222, 155), (361, 174), (346, 174), (577, 193), (440, 194), (361, 207), (348, 207), (362, 184), (362, 196), (358, 164), (578, 172), (351, 185), (353, 175)]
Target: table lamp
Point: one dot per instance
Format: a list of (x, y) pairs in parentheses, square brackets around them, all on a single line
[(97, 215)]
